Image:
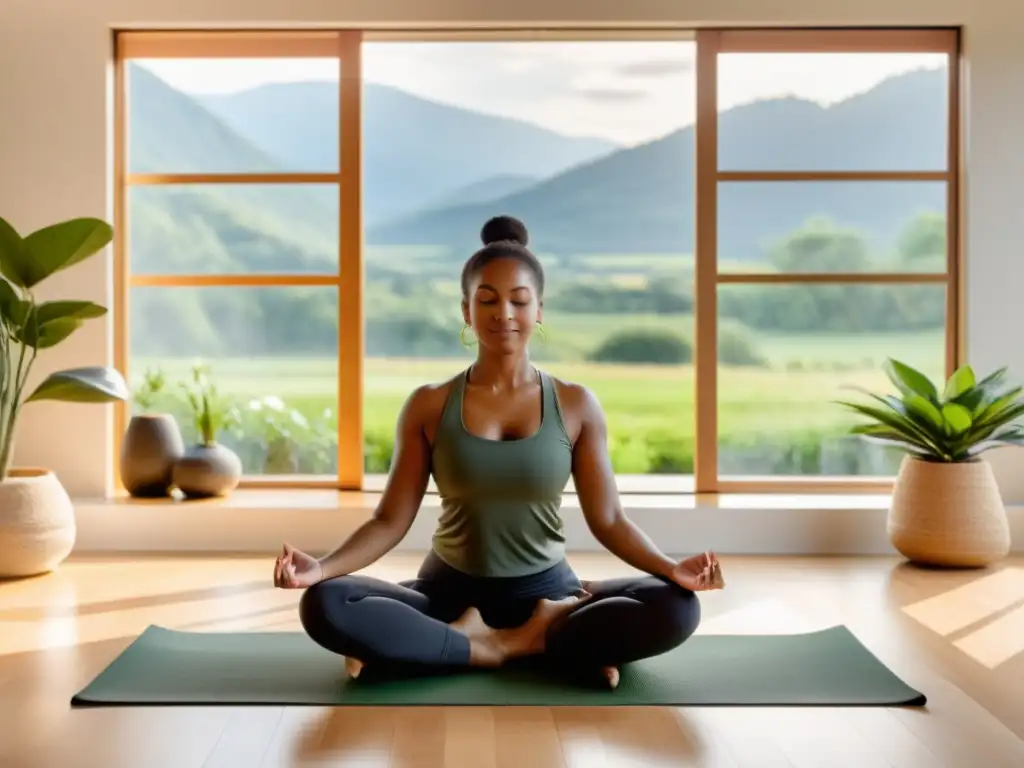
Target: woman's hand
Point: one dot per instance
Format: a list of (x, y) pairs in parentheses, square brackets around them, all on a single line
[(294, 569), (699, 573)]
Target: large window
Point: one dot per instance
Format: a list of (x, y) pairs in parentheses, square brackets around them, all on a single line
[(826, 211), (587, 142), (733, 224)]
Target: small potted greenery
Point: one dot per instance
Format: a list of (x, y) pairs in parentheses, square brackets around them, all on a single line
[(208, 467), (946, 506), (37, 519), (152, 442)]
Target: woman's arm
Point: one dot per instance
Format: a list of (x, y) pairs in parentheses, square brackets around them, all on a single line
[(403, 494), (599, 497)]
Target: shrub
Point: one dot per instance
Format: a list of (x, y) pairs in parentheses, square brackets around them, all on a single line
[(643, 345), (736, 346), (657, 346)]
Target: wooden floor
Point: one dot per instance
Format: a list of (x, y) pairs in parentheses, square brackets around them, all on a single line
[(957, 636)]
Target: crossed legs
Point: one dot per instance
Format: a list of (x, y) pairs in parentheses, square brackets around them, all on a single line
[(410, 625), (625, 620)]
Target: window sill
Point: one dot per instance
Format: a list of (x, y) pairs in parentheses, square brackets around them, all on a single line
[(298, 500), (258, 521)]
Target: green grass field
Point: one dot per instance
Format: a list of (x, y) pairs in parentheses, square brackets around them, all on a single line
[(778, 411)]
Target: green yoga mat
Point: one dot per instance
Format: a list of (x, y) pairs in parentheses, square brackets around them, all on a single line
[(826, 668)]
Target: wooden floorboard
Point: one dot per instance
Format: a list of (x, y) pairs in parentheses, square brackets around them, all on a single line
[(956, 635)]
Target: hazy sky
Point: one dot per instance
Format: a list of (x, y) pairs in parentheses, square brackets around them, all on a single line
[(628, 92)]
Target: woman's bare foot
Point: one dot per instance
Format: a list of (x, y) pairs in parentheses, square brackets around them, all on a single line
[(611, 674), (353, 667), (489, 647), (471, 624), (485, 643), (531, 637)]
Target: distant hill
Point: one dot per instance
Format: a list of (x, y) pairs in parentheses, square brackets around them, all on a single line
[(215, 228), (170, 132), (638, 199), (414, 151), (641, 199)]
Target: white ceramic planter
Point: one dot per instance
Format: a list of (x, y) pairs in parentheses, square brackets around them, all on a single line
[(37, 523)]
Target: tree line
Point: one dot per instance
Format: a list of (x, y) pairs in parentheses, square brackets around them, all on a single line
[(408, 317)]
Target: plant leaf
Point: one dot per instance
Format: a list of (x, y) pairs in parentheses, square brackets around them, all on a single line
[(982, 392), (1000, 412), (62, 245), (883, 433), (957, 418), (46, 335), (1014, 436), (899, 423), (924, 408), (54, 321), (928, 423), (930, 428), (12, 254), (961, 381), (910, 381), (61, 310), (899, 443), (82, 385), (962, 444), (996, 403), (1012, 431), (9, 301)]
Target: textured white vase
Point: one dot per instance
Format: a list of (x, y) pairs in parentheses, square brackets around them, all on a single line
[(948, 514), (37, 523)]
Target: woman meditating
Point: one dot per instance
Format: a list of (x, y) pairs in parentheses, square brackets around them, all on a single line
[(501, 440)]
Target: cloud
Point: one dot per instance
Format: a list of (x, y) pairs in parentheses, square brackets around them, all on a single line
[(611, 94), (656, 68)]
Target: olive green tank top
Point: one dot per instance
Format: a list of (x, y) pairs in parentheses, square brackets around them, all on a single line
[(501, 499)]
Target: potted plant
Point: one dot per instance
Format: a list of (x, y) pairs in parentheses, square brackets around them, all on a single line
[(946, 507), (37, 522), (208, 468), (152, 442)]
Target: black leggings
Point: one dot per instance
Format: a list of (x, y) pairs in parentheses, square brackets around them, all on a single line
[(407, 624)]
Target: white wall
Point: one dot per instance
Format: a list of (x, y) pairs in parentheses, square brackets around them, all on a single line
[(55, 139)]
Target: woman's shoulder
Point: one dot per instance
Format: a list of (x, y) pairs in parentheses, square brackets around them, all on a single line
[(574, 397), (430, 398)]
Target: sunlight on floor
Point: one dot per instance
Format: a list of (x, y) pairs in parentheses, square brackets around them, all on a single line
[(95, 604), (963, 606), (998, 641), (999, 638)]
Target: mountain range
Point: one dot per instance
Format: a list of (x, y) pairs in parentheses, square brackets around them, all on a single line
[(415, 152), (433, 173), (642, 199)]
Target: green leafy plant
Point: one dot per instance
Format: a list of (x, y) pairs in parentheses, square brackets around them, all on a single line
[(966, 418), (28, 325), (210, 412), (146, 395)]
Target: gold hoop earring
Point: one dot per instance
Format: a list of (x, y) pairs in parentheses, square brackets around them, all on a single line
[(462, 337)]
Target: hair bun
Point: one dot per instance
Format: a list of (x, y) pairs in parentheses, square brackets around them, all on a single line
[(504, 228)]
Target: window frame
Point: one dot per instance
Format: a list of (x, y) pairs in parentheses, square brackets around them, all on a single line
[(710, 44), (345, 45)]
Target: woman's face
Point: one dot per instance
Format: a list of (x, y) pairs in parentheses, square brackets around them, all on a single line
[(503, 306)]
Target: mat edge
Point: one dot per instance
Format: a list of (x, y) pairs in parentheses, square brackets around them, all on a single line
[(914, 703)]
